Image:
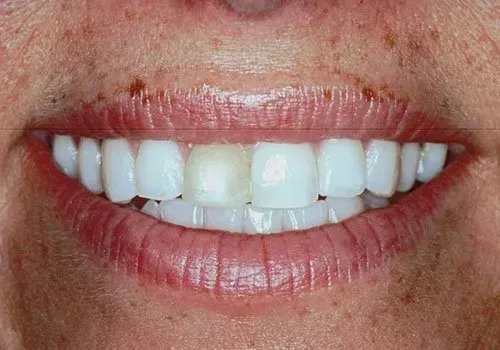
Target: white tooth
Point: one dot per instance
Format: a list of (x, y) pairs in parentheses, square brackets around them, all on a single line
[(225, 219), (284, 175), (180, 212), (432, 159), (410, 155), (340, 209), (152, 208), (159, 169), (217, 175), (382, 166), (313, 215), (65, 154), (262, 220), (89, 164), (118, 169), (341, 168), (374, 202)]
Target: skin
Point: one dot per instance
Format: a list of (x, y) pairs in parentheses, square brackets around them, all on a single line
[(440, 55)]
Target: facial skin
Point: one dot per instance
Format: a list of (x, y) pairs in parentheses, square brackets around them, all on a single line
[(441, 55)]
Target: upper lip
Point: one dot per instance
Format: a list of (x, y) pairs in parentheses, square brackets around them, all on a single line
[(296, 114), (231, 264)]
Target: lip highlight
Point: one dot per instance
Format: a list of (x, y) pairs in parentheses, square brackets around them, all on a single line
[(225, 264)]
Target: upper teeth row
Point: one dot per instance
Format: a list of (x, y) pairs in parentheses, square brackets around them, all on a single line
[(269, 175)]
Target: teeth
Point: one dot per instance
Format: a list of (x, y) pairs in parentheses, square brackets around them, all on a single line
[(340, 209), (217, 175), (159, 170), (432, 159), (341, 168), (382, 164), (262, 220), (313, 215), (89, 165), (284, 175), (372, 201), (180, 212), (225, 219), (152, 208), (118, 166), (65, 155), (410, 155), (264, 188)]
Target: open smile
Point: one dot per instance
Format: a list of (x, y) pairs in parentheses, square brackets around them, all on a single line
[(280, 192)]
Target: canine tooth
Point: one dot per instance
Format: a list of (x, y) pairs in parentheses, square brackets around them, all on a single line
[(89, 164), (224, 219), (118, 168), (372, 201), (410, 155), (152, 208), (65, 154), (284, 175), (340, 209), (341, 168), (159, 169), (313, 215), (262, 220), (217, 175), (432, 159), (179, 212), (382, 165)]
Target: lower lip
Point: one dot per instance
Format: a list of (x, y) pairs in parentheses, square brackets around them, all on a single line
[(241, 265)]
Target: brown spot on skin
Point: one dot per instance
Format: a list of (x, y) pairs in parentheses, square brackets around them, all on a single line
[(368, 93), (390, 39), (136, 87), (407, 299), (100, 96), (434, 34), (327, 94), (130, 14)]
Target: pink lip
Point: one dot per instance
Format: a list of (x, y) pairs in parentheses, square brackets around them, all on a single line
[(207, 115), (244, 265)]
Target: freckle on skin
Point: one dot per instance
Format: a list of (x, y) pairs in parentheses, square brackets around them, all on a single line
[(327, 94), (368, 93), (390, 39), (434, 34), (136, 87)]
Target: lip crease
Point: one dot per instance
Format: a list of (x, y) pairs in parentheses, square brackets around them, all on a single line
[(225, 264)]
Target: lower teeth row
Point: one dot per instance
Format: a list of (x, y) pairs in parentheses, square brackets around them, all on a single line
[(254, 220), (218, 182)]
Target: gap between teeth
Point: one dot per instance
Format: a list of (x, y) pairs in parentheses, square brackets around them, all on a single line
[(262, 188)]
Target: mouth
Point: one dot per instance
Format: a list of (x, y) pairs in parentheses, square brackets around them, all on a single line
[(240, 194)]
